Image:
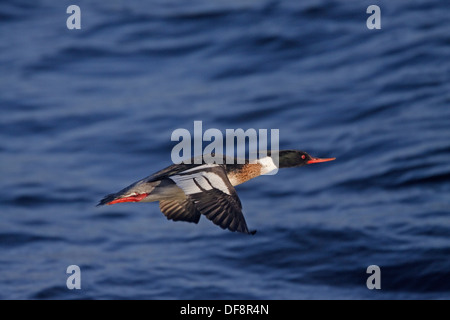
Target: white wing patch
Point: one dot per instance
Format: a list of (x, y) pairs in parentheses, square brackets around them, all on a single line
[(203, 183), (217, 182), (186, 183), (206, 181)]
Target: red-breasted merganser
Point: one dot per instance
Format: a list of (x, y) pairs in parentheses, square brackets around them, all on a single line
[(186, 191)]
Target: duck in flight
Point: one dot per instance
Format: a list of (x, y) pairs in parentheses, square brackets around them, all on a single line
[(186, 191)]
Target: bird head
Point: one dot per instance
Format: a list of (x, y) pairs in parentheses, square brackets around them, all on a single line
[(298, 158)]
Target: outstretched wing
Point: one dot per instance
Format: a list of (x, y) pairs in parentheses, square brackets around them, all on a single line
[(180, 210), (213, 196)]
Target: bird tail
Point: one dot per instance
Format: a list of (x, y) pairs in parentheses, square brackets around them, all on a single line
[(107, 199), (136, 192)]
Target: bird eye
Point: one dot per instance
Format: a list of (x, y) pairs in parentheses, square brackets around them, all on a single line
[(303, 157)]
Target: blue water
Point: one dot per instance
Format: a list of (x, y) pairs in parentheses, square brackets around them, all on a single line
[(87, 112)]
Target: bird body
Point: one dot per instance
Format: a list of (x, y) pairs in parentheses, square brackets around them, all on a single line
[(187, 191)]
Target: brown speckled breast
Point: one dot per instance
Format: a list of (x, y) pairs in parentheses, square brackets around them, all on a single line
[(241, 173)]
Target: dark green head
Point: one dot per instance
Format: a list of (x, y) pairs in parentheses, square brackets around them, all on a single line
[(297, 158)]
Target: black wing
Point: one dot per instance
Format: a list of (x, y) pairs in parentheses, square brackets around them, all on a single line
[(193, 163), (213, 196), (180, 210)]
